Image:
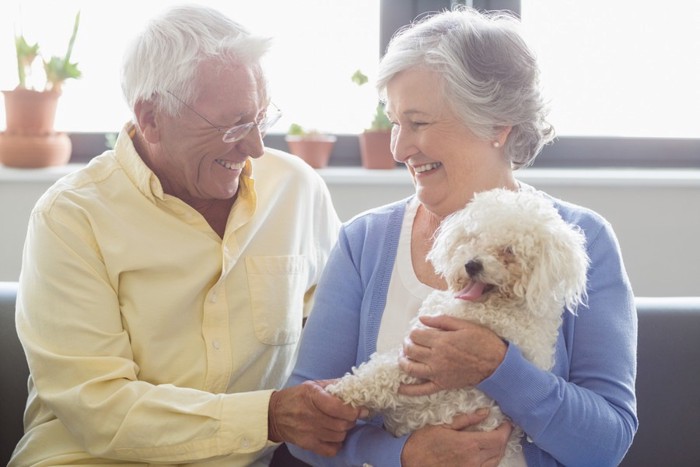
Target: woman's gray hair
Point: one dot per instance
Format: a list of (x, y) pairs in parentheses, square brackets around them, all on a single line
[(490, 77), (164, 57)]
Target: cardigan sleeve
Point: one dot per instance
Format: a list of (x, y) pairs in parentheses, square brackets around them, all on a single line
[(330, 347)]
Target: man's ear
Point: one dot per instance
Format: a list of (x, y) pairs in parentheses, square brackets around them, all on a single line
[(145, 112)]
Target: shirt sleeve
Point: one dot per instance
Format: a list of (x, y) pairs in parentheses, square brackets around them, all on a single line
[(82, 363), (587, 414), (329, 348)]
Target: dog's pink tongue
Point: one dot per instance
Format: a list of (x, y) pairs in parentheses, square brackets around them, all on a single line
[(472, 291)]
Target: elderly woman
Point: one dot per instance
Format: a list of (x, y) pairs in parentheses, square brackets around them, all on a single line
[(462, 93)]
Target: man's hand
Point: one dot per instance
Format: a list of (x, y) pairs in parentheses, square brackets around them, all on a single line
[(452, 445), (310, 417), (450, 354)]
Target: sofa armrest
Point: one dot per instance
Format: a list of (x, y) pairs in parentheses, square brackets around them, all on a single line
[(668, 383)]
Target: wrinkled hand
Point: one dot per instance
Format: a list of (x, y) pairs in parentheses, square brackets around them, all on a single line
[(310, 417), (450, 354), (451, 445)]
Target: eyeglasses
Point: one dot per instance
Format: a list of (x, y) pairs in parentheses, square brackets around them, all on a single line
[(238, 132)]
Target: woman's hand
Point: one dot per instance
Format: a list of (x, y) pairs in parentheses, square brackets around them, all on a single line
[(310, 417), (450, 354), (450, 445)]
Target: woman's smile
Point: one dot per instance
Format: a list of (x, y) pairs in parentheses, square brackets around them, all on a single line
[(426, 167)]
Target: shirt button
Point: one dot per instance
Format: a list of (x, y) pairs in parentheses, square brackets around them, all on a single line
[(212, 297), (216, 344), (245, 443)]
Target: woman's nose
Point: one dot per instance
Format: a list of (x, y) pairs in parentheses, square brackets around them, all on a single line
[(398, 145)]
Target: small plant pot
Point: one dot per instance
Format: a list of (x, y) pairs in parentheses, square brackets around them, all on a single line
[(375, 150), (30, 112), (30, 140), (315, 150), (34, 151)]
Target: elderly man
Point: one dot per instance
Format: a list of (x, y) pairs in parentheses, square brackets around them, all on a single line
[(164, 285)]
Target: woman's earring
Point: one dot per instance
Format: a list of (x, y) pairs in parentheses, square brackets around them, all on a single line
[(496, 144)]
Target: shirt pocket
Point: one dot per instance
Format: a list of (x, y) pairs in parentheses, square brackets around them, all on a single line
[(277, 285)]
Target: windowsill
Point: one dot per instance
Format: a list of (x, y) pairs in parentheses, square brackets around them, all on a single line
[(399, 176), (46, 174), (534, 176)]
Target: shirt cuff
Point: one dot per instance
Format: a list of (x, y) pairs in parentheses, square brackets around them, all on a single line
[(244, 421)]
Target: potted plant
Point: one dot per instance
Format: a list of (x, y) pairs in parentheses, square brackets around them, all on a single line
[(312, 146), (375, 141), (30, 139)]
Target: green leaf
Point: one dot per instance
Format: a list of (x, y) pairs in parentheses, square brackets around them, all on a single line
[(26, 54), (380, 121), (359, 78), (60, 69), (296, 130)]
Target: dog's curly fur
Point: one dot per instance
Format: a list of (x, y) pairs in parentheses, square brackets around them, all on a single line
[(511, 264)]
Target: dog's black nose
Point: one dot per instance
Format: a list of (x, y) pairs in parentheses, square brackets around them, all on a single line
[(473, 267)]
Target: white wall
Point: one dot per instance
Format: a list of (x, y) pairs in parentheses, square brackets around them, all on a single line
[(656, 214)]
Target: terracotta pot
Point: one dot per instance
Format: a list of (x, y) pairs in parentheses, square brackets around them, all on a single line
[(27, 151), (315, 150), (375, 150), (30, 112), (30, 140)]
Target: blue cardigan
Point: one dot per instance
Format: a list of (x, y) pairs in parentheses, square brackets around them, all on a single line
[(581, 413)]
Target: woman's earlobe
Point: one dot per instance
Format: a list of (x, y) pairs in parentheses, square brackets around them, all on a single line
[(501, 136)]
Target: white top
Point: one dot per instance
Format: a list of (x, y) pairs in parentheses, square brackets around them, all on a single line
[(406, 292)]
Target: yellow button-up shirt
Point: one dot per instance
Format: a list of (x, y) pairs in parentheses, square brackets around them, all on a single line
[(150, 339)]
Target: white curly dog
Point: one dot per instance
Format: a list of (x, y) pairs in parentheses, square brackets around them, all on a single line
[(512, 264)]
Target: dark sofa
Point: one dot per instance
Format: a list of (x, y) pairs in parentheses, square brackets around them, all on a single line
[(668, 381)]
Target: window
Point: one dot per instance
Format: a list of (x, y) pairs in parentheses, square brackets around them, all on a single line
[(624, 68), (621, 76), (317, 45), (622, 81)]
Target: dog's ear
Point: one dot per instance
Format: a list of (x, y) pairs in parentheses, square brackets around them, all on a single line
[(561, 272), (447, 238)]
